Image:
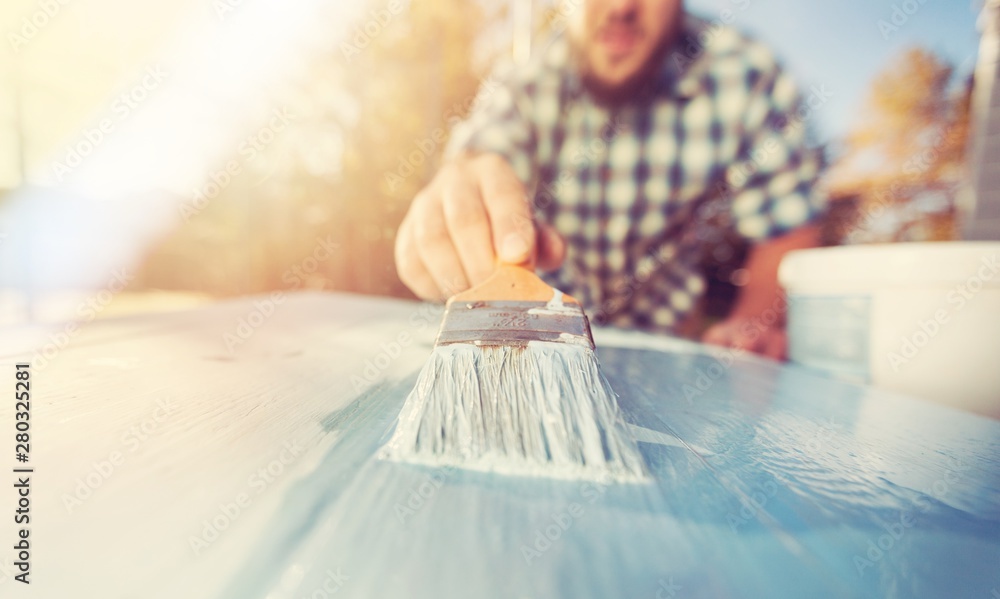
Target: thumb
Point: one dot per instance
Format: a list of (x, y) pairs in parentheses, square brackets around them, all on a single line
[(551, 248)]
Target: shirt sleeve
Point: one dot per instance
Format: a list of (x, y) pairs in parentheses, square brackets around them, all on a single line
[(772, 186), (499, 123)]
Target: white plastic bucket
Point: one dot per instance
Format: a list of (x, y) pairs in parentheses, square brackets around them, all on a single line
[(920, 318)]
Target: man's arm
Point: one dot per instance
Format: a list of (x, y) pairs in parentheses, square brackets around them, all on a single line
[(756, 322), (775, 202)]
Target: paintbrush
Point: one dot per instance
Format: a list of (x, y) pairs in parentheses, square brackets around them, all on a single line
[(513, 386)]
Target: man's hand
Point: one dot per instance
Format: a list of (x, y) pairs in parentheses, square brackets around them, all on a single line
[(749, 334), (757, 321), (474, 214)]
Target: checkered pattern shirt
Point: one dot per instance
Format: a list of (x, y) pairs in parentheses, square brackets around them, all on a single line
[(715, 140)]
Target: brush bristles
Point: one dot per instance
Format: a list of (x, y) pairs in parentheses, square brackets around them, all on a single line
[(540, 410)]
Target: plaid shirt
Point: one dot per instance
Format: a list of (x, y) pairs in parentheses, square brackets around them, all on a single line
[(716, 139)]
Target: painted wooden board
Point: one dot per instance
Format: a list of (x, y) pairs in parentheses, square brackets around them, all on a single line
[(229, 451)]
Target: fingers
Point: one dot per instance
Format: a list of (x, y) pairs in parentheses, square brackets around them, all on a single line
[(474, 214), (510, 216), (411, 268), (445, 242), (468, 224), (435, 247), (743, 335), (551, 248)]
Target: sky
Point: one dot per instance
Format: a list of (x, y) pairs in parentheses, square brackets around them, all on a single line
[(838, 43)]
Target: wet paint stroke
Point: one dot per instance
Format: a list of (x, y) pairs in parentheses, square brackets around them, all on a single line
[(756, 490)]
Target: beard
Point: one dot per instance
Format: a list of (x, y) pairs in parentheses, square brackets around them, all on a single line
[(637, 84)]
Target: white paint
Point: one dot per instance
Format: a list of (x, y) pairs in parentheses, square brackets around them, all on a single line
[(545, 410), (557, 307)]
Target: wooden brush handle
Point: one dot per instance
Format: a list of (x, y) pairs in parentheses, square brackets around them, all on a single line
[(510, 283)]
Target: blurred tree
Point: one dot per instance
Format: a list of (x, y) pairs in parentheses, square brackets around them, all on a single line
[(904, 160), (320, 206), (407, 83), (907, 100)]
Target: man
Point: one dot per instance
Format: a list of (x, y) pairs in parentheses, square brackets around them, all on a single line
[(601, 161)]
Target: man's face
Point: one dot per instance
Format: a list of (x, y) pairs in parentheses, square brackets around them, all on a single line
[(619, 41)]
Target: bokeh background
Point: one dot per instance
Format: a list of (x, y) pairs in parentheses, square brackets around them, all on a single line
[(202, 149)]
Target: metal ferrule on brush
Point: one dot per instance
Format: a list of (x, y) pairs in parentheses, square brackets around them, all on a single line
[(513, 386), (514, 323)]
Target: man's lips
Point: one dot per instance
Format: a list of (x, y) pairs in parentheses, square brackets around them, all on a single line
[(618, 42)]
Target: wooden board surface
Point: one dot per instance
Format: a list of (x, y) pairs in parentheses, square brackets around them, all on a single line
[(229, 451)]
